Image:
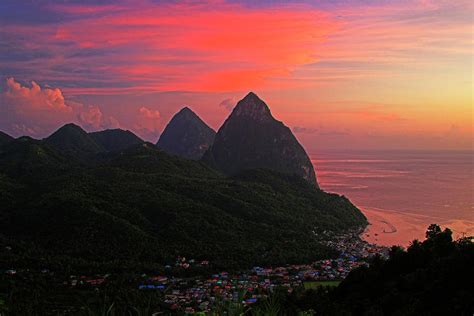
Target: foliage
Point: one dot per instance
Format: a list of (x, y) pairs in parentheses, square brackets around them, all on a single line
[(433, 277), (141, 207)]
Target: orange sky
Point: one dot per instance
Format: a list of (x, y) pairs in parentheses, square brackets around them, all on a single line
[(350, 74)]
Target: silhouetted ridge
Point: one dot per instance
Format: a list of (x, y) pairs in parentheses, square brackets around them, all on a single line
[(186, 135), (25, 155), (5, 138), (116, 139), (251, 138), (72, 139), (143, 205)]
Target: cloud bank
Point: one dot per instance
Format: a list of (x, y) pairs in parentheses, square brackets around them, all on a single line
[(37, 111)]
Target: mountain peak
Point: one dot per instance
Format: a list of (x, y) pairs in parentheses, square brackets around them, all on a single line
[(72, 139), (71, 126), (251, 138), (185, 113), (186, 109), (252, 95), (68, 130), (253, 107), (186, 135)]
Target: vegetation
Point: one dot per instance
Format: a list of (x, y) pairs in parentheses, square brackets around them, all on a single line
[(136, 209), (434, 277), (140, 208), (77, 204), (113, 140), (317, 284), (5, 138)]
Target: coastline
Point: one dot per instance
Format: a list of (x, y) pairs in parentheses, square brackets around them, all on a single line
[(389, 227)]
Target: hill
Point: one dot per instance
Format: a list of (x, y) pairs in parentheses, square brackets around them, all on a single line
[(74, 141), (25, 157), (113, 140), (5, 138)]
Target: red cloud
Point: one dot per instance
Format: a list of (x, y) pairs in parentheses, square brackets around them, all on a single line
[(202, 47)]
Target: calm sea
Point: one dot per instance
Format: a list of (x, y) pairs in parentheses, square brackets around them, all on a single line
[(402, 192)]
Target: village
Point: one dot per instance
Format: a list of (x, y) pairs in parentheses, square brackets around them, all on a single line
[(203, 293)]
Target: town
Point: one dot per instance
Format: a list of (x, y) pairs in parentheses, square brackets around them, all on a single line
[(202, 293)]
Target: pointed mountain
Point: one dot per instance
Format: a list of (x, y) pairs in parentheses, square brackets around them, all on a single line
[(5, 138), (251, 138), (116, 139), (73, 140), (186, 135)]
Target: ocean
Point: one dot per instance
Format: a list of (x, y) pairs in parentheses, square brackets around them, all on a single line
[(402, 192)]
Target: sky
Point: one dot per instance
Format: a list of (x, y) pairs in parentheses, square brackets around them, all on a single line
[(342, 74)]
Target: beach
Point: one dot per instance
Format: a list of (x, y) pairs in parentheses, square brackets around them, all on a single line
[(389, 228)]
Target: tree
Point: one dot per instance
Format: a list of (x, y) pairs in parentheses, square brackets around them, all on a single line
[(432, 231)]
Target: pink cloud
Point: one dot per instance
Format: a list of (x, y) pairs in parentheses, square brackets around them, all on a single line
[(34, 98), (148, 123), (38, 111), (91, 118), (149, 114), (220, 46), (413, 53)]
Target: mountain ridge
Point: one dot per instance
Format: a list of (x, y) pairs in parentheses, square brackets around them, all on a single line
[(144, 204), (5, 138), (73, 140), (116, 139)]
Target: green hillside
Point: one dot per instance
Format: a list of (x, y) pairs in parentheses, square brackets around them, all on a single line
[(142, 206)]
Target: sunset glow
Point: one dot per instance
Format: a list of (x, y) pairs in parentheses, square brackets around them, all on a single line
[(364, 74)]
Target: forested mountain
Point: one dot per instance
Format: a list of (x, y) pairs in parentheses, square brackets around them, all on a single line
[(142, 205), (73, 140), (5, 138), (251, 138), (116, 139), (26, 159), (186, 135)]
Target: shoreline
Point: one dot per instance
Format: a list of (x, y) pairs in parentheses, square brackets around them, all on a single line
[(389, 227)]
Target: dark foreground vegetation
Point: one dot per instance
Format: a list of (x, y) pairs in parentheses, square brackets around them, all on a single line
[(433, 277)]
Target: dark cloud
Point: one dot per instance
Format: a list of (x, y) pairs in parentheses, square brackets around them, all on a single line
[(228, 103), (335, 133), (304, 130)]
